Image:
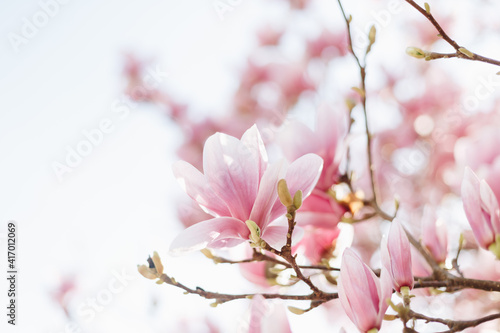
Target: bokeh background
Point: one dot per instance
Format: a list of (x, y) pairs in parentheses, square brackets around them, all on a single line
[(78, 232)]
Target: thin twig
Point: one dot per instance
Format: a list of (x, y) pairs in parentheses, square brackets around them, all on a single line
[(459, 49), (222, 298), (454, 325)]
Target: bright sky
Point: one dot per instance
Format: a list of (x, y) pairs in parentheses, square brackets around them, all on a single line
[(116, 205)]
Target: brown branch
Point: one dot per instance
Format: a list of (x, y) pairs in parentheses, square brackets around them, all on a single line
[(457, 283), (454, 325), (459, 54), (286, 252), (258, 256), (222, 298), (362, 72)]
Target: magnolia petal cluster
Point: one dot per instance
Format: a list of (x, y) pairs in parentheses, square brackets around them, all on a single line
[(239, 189), (396, 257), (482, 210), (363, 295)]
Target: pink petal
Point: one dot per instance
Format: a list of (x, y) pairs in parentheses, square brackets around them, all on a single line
[(302, 174), (331, 128), (195, 185), (257, 314), (361, 288), (296, 140), (214, 233), (400, 256), (232, 172), (490, 202), (275, 235), (434, 235), (252, 139), (267, 195), (385, 294), (472, 206)]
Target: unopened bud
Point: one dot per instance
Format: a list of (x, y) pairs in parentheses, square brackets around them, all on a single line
[(427, 8), (372, 34), (415, 52), (350, 103), (468, 53), (295, 310), (297, 199), (254, 231), (359, 91), (284, 193), (207, 253)]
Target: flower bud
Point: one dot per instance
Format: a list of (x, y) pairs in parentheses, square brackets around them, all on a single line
[(416, 52), (284, 193), (482, 210), (396, 257), (297, 199)]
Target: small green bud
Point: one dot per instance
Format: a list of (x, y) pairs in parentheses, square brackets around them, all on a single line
[(372, 34), (254, 231), (416, 52), (295, 310), (297, 199), (284, 193), (495, 247), (427, 8), (207, 253), (359, 91), (468, 53)]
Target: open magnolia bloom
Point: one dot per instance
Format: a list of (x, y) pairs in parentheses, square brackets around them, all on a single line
[(239, 189)]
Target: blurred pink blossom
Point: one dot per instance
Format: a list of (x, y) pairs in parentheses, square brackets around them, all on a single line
[(434, 235)]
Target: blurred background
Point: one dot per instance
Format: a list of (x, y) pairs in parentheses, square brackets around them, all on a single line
[(64, 75)]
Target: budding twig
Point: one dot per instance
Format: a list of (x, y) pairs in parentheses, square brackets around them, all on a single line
[(461, 52)]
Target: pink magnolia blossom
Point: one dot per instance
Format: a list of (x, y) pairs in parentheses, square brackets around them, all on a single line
[(396, 257), (434, 235), (326, 140), (320, 210), (362, 294), (482, 210), (238, 185), (318, 243)]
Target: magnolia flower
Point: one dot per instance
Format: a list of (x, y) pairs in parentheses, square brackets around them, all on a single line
[(239, 189), (362, 294), (320, 211), (326, 140), (396, 257), (434, 235), (482, 210)]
